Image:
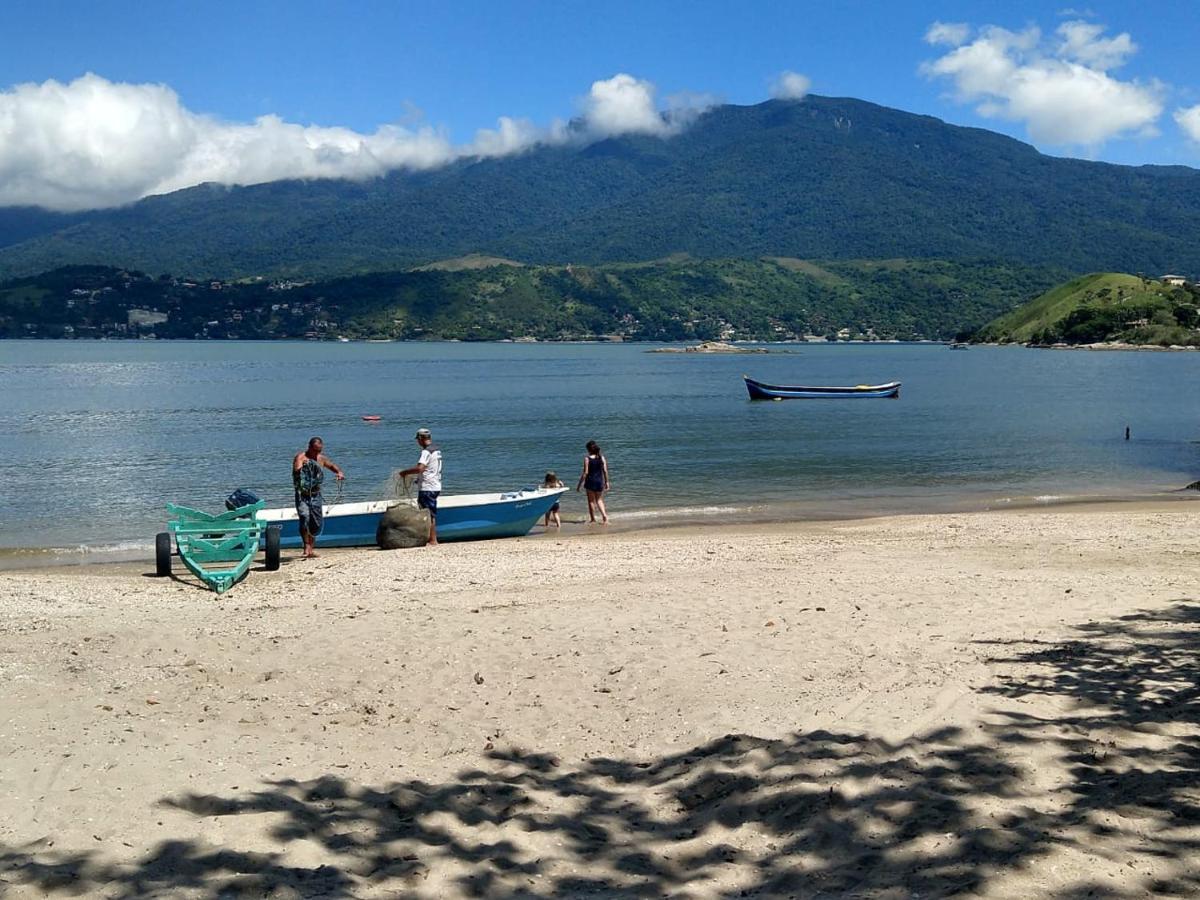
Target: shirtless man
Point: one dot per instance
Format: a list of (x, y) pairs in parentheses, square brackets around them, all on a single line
[(307, 476)]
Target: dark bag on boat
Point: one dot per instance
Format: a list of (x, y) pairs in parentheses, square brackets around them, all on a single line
[(402, 526), (239, 498)]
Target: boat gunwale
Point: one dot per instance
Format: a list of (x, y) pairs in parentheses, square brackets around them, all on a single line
[(375, 507), (789, 388)]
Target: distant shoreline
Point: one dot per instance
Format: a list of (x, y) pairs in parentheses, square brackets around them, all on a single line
[(522, 343), (1114, 346)]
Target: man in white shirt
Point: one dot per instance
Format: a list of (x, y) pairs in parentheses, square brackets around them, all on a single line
[(429, 479)]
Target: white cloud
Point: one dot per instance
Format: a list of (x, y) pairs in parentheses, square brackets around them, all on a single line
[(952, 34), (508, 137), (1061, 90), (623, 105), (790, 86), (685, 107), (1189, 120), (1083, 42), (94, 143)]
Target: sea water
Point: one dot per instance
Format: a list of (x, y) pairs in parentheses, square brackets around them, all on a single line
[(100, 435)]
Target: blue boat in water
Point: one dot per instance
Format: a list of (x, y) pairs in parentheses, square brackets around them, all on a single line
[(465, 517), (760, 391)]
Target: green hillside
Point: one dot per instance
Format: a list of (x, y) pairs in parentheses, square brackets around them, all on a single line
[(1104, 307), (679, 298), (822, 178)]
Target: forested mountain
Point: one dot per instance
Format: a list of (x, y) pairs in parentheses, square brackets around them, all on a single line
[(673, 299), (818, 178), (20, 223)]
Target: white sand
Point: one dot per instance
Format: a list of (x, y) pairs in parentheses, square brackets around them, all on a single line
[(1000, 704)]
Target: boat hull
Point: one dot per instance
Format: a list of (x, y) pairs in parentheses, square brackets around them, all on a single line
[(761, 391), (471, 517)]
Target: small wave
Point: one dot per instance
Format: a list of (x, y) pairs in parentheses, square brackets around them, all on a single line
[(1039, 498), (79, 554), (674, 511)]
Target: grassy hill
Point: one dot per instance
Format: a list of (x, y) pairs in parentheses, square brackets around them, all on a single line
[(1103, 307), (679, 298), (470, 261), (818, 179)]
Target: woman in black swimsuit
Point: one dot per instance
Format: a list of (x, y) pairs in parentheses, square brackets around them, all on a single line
[(594, 478)]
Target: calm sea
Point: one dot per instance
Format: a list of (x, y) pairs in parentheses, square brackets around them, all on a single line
[(99, 435)]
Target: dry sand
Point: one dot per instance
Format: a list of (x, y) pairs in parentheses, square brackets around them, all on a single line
[(1001, 704)]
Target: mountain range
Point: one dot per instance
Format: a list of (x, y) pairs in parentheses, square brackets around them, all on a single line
[(820, 178)]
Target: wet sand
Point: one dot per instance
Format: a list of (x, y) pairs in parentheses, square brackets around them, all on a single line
[(999, 704)]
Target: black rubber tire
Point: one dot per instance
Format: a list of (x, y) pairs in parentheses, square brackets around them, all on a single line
[(162, 553), (272, 548)]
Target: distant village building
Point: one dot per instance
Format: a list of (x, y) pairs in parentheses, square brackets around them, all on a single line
[(1174, 280), (145, 317)]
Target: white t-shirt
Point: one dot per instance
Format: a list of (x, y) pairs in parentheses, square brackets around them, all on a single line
[(431, 478)]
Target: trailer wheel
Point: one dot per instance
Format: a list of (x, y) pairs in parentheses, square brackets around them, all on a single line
[(162, 553), (272, 548)]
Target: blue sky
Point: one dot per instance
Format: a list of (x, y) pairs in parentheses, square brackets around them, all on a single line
[(459, 67)]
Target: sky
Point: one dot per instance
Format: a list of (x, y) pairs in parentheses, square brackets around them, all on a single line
[(105, 102)]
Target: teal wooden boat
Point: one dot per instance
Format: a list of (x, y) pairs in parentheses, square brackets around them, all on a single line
[(217, 549)]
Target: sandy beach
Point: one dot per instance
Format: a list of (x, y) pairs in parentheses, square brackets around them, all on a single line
[(999, 705)]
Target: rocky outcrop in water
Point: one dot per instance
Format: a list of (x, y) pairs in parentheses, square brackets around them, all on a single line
[(711, 347)]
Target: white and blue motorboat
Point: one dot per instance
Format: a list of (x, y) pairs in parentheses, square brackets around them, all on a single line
[(462, 517)]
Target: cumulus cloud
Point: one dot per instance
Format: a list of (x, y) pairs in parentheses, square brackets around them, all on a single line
[(93, 143), (508, 137), (1084, 43), (790, 86), (1189, 120), (952, 34), (1060, 88), (623, 105)]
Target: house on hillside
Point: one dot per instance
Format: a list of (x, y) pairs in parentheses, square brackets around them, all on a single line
[(1174, 280), (136, 316)]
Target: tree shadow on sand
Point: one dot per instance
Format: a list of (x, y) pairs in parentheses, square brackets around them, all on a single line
[(815, 814), (1128, 737)]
